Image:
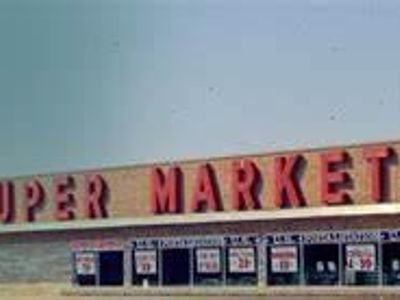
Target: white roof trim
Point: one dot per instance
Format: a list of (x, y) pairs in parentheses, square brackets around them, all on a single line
[(214, 217)]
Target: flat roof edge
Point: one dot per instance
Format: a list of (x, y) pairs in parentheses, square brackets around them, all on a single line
[(206, 218), (184, 160)]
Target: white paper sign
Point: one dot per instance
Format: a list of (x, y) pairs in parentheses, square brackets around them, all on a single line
[(85, 263), (360, 258), (284, 259), (208, 260), (242, 260), (146, 262)]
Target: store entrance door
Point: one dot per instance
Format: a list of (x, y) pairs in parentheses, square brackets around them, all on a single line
[(175, 267)]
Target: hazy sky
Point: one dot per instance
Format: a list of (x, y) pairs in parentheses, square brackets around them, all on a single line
[(86, 84)]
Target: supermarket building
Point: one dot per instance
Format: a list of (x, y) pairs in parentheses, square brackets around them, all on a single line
[(311, 221)]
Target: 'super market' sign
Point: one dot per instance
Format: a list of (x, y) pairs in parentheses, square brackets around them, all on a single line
[(364, 174)]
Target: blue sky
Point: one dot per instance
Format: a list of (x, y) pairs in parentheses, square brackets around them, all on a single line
[(87, 84)]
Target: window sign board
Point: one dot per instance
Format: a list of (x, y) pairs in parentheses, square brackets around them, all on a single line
[(176, 243), (146, 262), (208, 260), (284, 259), (190, 242), (361, 258), (85, 263), (238, 240), (390, 235), (208, 241), (97, 245), (328, 237), (321, 237), (145, 244), (360, 236), (281, 239), (242, 260)]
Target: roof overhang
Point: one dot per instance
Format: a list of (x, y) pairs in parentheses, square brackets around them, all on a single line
[(204, 218)]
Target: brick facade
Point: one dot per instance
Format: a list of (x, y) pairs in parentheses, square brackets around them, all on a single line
[(128, 193), (45, 257)]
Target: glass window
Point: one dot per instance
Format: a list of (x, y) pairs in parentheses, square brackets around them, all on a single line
[(361, 264), (321, 264), (144, 267), (175, 266), (111, 268), (85, 266), (391, 263), (283, 265), (242, 265), (208, 266)]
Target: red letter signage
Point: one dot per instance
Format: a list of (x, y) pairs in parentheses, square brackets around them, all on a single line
[(34, 195), (205, 195), (165, 196), (64, 200), (333, 179), (287, 188), (245, 177), (378, 173), (7, 205), (95, 197)]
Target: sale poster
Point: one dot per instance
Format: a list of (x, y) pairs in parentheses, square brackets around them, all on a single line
[(284, 259), (146, 262), (208, 260), (85, 263), (361, 258), (242, 260)]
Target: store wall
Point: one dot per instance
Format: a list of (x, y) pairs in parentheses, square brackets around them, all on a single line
[(34, 261), (46, 257), (128, 188)]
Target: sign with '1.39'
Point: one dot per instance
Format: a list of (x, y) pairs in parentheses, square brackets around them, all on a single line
[(360, 258)]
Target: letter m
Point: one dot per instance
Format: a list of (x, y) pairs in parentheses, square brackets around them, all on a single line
[(165, 191)]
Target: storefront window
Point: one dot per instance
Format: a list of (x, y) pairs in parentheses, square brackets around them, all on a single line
[(111, 268), (241, 260), (144, 267), (208, 266), (242, 265), (391, 263), (85, 266), (283, 265), (176, 266), (99, 267), (361, 264), (321, 264), (315, 258)]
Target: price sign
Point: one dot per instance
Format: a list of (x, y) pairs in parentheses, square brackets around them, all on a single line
[(208, 260), (242, 260), (85, 263), (284, 259), (146, 262), (360, 258)]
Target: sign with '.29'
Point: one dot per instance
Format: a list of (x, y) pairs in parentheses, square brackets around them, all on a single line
[(242, 260)]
